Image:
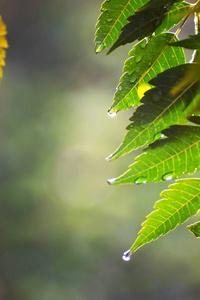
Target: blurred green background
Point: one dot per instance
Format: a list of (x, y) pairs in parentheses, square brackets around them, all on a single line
[(63, 229)]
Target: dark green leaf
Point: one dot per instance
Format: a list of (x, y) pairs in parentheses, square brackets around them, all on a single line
[(167, 158), (144, 22), (159, 110), (174, 16), (193, 42), (145, 62), (194, 119)]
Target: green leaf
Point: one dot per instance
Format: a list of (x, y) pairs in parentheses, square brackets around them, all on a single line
[(167, 158), (159, 110), (193, 42), (147, 19), (145, 62), (174, 16), (114, 14), (195, 228), (180, 202)]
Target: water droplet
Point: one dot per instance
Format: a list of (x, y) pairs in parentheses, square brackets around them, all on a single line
[(140, 180), (109, 20), (168, 176), (138, 58), (111, 180), (143, 44), (119, 87), (157, 136), (112, 115), (133, 78), (126, 255), (109, 157)]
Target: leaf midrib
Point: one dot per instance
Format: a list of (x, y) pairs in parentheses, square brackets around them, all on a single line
[(163, 161), (162, 223), (111, 28), (159, 116), (148, 70)]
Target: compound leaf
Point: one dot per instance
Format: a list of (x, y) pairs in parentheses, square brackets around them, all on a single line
[(195, 228), (113, 17), (174, 16), (159, 110), (148, 18), (167, 158), (145, 62), (179, 203)]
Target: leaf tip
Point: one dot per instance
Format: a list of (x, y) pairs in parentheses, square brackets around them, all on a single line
[(111, 180), (109, 157), (98, 47)]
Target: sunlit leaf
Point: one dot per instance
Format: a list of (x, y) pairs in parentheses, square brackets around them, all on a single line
[(179, 203), (145, 62), (3, 45), (114, 14), (167, 158), (174, 16), (159, 110), (147, 19), (195, 228)]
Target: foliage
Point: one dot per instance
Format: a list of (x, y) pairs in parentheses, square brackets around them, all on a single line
[(165, 90), (3, 45)]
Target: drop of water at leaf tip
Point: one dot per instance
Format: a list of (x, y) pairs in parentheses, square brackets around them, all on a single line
[(126, 255), (109, 157), (112, 115), (111, 180)]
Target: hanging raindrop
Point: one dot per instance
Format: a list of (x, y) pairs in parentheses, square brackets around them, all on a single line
[(168, 176), (111, 180), (112, 115), (126, 255), (109, 157)]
